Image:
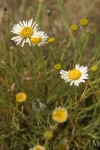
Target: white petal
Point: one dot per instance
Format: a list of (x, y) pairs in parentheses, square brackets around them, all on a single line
[(23, 42), (19, 41), (16, 37), (77, 66), (30, 23), (21, 24)]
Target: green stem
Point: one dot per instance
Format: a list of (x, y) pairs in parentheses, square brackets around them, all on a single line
[(83, 50), (39, 10), (62, 13)]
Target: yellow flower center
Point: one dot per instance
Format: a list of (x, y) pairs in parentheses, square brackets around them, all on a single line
[(74, 74), (35, 40), (59, 114), (38, 148), (26, 32)]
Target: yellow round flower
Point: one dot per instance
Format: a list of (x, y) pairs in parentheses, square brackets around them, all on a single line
[(51, 40), (60, 115), (84, 22), (21, 97), (74, 27), (38, 147), (62, 147), (74, 74), (48, 135), (57, 66), (94, 68)]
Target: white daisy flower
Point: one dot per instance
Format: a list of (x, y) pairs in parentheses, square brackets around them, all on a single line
[(75, 76), (38, 147), (39, 38), (24, 31)]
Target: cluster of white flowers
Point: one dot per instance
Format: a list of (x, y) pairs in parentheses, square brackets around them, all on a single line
[(28, 32)]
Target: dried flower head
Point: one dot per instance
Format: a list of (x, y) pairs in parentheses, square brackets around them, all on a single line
[(49, 12)]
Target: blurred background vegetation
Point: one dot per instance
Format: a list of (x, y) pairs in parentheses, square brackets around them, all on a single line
[(63, 13)]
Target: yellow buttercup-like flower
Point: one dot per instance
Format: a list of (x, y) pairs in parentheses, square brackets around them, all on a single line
[(74, 27), (94, 68), (57, 66), (60, 115), (21, 97), (48, 135), (84, 22), (38, 147), (51, 40)]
